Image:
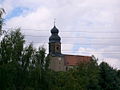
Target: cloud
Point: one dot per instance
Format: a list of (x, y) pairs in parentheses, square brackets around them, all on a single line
[(100, 54), (113, 62), (32, 20), (74, 18)]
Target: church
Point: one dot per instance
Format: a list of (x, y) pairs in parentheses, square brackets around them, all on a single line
[(59, 61)]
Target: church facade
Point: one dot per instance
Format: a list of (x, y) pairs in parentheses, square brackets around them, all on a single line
[(59, 61)]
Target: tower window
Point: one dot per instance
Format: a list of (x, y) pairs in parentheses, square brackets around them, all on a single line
[(57, 48)]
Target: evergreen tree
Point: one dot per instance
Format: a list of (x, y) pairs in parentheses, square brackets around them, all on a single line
[(108, 77)]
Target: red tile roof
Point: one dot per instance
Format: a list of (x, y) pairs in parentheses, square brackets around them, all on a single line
[(73, 60)]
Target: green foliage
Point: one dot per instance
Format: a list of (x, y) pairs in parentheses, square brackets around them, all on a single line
[(109, 79), (11, 47), (19, 64), (89, 74)]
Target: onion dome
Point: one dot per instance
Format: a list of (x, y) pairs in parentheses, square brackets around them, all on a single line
[(54, 37), (54, 30)]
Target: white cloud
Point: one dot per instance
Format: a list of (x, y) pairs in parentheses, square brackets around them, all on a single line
[(72, 15), (114, 62), (31, 20)]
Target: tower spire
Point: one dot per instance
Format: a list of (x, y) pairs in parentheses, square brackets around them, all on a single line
[(54, 21), (54, 42)]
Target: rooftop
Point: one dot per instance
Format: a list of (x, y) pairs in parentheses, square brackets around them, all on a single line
[(73, 60)]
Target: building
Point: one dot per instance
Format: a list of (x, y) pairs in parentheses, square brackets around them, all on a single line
[(59, 61)]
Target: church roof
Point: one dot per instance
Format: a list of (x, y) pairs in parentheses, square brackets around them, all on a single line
[(54, 30), (74, 60), (54, 37)]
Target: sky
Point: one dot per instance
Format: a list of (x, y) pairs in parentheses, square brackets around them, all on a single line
[(87, 27)]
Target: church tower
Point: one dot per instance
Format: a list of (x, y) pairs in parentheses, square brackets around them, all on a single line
[(54, 42), (62, 62)]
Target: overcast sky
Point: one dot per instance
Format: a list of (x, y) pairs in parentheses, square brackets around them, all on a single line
[(87, 27)]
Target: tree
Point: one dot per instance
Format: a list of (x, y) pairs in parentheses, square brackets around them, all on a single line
[(83, 77), (108, 77), (11, 47), (19, 64), (2, 11), (88, 75)]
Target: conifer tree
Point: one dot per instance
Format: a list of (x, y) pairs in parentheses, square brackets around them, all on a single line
[(108, 77)]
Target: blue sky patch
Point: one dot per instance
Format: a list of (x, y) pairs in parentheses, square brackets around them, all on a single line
[(1, 1), (16, 12)]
